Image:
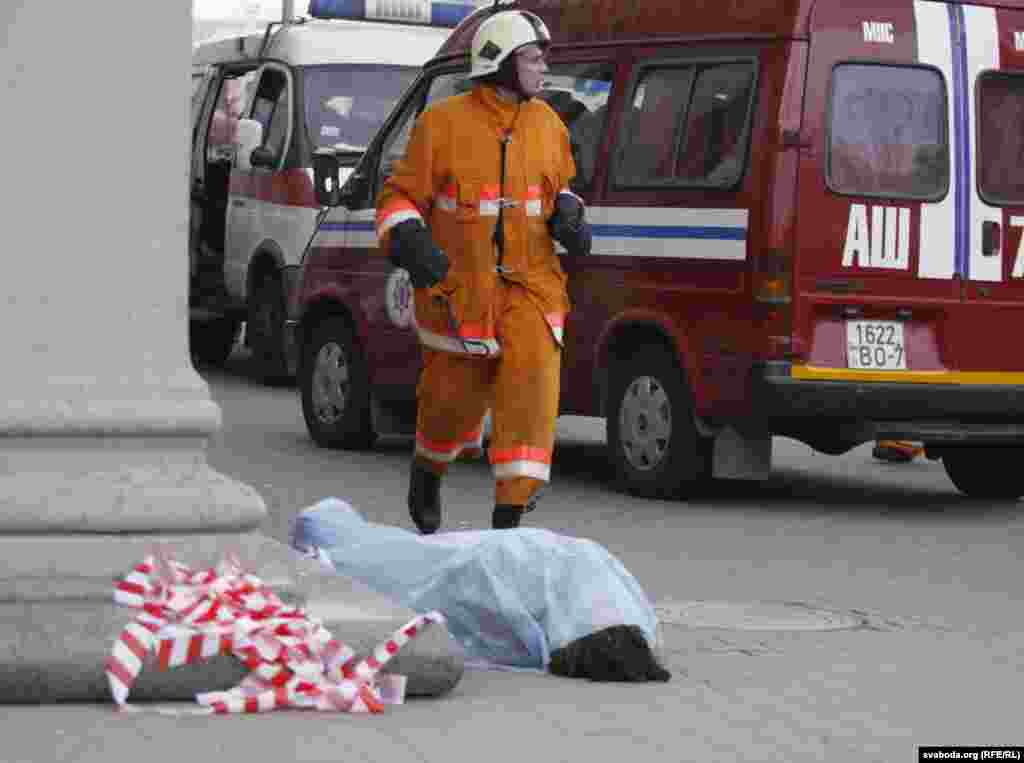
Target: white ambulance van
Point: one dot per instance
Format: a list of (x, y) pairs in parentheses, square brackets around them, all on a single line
[(262, 105)]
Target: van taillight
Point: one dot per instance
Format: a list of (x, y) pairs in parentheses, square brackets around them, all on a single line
[(773, 277)]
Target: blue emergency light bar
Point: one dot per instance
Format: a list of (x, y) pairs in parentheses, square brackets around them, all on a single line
[(433, 12)]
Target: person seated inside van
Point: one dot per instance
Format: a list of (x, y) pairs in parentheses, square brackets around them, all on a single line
[(224, 122), (220, 145), (584, 133)]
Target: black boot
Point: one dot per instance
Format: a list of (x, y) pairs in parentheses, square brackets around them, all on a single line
[(425, 498), (506, 516)]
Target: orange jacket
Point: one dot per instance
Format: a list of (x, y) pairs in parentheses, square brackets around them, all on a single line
[(450, 178)]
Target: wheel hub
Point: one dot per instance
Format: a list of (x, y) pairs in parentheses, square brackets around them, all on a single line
[(645, 423), (331, 388)]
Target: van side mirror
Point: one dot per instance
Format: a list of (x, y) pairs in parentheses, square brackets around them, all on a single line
[(355, 189), (248, 136), (326, 179), (328, 164)]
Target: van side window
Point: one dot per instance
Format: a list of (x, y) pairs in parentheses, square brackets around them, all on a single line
[(688, 125), (272, 109), (579, 93), (345, 104), (393, 147), (1001, 138), (887, 132), (714, 145)]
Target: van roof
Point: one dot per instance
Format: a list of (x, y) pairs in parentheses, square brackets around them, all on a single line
[(317, 41), (623, 21)]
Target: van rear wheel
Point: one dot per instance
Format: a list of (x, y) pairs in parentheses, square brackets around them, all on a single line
[(265, 327), (653, 443), (986, 472), (334, 387)]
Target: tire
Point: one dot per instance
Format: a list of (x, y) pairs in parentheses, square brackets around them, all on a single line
[(265, 327), (334, 387), (993, 473), (211, 342), (653, 443)]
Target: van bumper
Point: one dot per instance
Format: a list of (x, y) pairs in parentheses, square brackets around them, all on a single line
[(939, 413)]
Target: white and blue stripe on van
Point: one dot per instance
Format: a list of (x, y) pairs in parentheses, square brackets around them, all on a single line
[(676, 233), (961, 41)]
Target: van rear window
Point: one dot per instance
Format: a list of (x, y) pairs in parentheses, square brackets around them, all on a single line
[(887, 132), (1001, 138), (688, 125), (347, 103)]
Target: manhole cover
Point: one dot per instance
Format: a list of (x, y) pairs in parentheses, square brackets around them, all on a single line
[(753, 616)]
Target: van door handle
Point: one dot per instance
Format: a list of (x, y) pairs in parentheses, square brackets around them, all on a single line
[(990, 243), (237, 203)]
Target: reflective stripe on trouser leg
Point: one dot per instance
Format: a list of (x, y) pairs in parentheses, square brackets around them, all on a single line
[(453, 396), (525, 400)]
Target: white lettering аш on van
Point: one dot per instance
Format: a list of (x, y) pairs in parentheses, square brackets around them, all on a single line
[(885, 243), (1018, 266), (879, 31)]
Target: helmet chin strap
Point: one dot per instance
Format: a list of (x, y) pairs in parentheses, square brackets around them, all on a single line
[(507, 79), (507, 93)]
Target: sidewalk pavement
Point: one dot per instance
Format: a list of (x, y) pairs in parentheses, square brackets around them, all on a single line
[(872, 693)]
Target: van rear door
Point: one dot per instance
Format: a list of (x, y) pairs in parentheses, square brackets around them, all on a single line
[(995, 198), (904, 263)]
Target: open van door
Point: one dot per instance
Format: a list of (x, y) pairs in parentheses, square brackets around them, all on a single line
[(994, 204)]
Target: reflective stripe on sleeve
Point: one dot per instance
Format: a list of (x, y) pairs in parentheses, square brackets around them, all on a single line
[(396, 213)]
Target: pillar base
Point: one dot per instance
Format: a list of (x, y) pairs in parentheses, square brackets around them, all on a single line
[(58, 621), (119, 484)]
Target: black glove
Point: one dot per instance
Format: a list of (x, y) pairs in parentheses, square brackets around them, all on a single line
[(568, 225), (413, 249), (616, 653)]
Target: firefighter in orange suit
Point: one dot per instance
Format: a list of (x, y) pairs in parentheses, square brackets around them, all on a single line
[(472, 212)]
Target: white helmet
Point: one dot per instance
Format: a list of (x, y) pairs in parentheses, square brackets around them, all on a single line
[(501, 35)]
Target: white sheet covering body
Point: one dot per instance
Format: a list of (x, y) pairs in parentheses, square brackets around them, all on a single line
[(511, 597)]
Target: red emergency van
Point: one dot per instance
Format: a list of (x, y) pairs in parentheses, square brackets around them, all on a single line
[(807, 219)]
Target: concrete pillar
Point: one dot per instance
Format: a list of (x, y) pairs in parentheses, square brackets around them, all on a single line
[(103, 421)]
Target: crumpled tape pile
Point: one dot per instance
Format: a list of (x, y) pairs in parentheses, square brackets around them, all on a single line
[(190, 616)]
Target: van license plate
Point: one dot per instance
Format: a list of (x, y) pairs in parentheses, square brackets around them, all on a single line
[(875, 345)]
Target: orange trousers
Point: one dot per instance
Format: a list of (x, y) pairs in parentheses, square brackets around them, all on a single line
[(519, 387)]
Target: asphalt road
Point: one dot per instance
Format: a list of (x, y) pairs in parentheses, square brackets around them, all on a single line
[(848, 530), (843, 610)]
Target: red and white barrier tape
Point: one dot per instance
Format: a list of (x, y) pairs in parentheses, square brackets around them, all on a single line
[(189, 616)]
